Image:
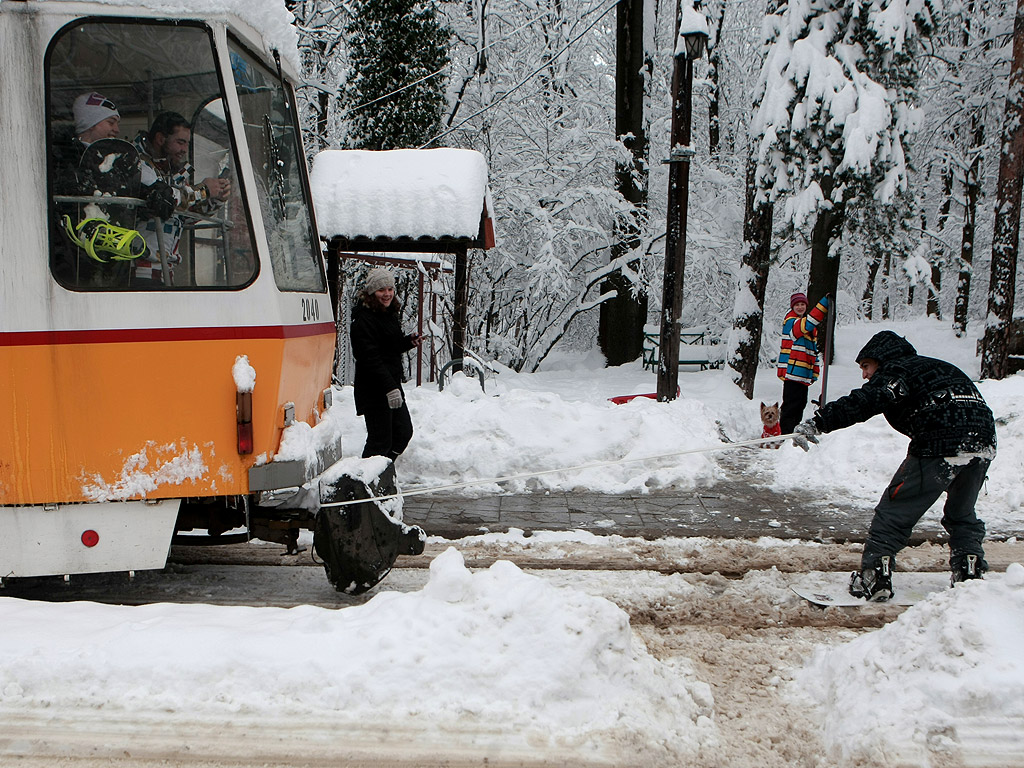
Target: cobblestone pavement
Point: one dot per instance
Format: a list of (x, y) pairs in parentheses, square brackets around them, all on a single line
[(736, 507)]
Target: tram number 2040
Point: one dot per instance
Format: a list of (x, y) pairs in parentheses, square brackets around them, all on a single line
[(310, 310)]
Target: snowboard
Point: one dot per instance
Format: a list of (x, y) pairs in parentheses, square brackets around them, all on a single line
[(108, 168), (830, 589), (111, 167)]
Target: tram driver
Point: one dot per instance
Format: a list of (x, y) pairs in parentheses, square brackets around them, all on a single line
[(164, 152)]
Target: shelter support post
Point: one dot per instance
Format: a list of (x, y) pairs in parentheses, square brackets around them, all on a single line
[(461, 306)]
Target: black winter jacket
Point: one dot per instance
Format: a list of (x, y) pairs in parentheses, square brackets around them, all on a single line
[(377, 345), (930, 401)]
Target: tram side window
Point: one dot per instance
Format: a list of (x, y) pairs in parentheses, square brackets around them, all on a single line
[(276, 154), (143, 182)]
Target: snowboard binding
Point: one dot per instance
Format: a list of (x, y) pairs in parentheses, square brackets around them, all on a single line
[(98, 237), (873, 584)]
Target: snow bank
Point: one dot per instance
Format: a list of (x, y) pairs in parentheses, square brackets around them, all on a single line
[(551, 665), (945, 664)]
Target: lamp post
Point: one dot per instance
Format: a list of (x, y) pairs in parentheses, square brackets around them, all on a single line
[(690, 42)]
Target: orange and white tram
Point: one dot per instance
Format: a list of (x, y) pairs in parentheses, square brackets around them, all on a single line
[(123, 417)]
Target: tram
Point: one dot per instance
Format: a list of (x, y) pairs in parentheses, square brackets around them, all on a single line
[(134, 407)]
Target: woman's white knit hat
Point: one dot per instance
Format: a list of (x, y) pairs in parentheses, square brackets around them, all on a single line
[(377, 279)]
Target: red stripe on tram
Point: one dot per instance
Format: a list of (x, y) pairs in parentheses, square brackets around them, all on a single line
[(136, 335)]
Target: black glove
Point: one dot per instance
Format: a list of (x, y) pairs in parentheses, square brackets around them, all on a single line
[(805, 433), (160, 201)]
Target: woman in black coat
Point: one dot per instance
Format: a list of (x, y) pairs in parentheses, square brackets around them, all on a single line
[(377, 345)]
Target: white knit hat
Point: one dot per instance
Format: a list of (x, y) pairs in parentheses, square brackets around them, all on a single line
[(377, 279), (91, 108)]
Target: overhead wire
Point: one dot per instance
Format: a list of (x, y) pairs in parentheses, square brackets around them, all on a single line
[(526, 79)]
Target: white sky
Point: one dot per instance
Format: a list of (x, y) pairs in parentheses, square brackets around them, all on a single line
[(550, 664)]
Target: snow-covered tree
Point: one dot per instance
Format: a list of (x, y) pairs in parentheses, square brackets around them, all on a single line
[(394, 96), (1006, 240), (965, 74), (321, 29), (623, 317), (534, 91), (837, 105)]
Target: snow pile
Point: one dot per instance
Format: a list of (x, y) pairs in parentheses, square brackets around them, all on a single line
[(497, 646), (440, 192), (922, 679), (244, 374), (466, 434)]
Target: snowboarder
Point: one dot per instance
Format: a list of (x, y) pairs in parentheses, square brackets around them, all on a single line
[(952, 442), (798, 358)]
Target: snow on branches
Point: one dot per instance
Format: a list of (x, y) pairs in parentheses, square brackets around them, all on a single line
[(837, 101)]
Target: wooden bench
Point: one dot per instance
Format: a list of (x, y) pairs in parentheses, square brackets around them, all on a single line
[(696, 347)]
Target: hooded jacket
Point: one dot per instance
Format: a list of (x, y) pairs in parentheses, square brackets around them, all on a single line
[(377, 346), (798, 358), (930, 401)]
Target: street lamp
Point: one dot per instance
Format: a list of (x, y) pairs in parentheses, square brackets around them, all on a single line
[(690, 40)]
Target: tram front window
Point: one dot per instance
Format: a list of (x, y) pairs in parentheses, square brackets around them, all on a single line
[(272, 136), (145, 193)]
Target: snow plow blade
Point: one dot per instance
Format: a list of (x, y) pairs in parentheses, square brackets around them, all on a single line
[(359, 542)]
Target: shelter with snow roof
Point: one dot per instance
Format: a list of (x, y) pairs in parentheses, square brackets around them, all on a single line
[(420, 210)]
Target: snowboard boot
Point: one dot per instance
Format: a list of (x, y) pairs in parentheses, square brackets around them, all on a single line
[(964, 570), (100, 238), (873, 584)]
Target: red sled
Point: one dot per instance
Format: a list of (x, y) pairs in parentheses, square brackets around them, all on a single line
[(620, 399)]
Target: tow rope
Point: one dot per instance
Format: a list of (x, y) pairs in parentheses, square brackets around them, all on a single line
[(592, 465)]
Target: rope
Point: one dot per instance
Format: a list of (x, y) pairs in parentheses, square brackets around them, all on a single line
[(593, 465)]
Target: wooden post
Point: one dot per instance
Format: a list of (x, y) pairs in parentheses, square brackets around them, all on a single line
[(461, 307)]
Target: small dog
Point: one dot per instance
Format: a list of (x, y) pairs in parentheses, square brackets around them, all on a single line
[(770, 419)]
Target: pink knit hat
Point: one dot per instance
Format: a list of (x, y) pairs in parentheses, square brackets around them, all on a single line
[(796, 298)]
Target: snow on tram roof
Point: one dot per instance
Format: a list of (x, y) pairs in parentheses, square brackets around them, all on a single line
[(269, 17), (399, 193)]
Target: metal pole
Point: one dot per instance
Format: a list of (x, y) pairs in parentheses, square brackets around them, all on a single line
[(165, 268), (675, 236), (419, 325), (830, 325)]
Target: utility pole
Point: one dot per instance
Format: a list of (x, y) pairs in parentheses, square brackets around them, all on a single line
[(692, 34)]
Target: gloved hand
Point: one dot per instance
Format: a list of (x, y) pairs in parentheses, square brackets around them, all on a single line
[(395, 399), (160, 201), (805, 433)]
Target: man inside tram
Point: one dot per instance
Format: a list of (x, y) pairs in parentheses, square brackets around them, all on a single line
[(164, 151), (96, 242)]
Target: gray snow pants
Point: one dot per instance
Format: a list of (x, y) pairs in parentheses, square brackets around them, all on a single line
[(917, 485)]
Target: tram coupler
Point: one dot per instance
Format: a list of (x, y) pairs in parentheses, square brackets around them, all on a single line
[(359, 541)]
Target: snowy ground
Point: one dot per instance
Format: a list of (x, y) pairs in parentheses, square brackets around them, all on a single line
[(461, 665)]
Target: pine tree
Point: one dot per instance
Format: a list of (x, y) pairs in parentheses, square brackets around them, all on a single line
[(395, 95), (837, 106)]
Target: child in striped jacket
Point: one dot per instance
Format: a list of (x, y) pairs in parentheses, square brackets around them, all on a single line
[(798, 360)]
